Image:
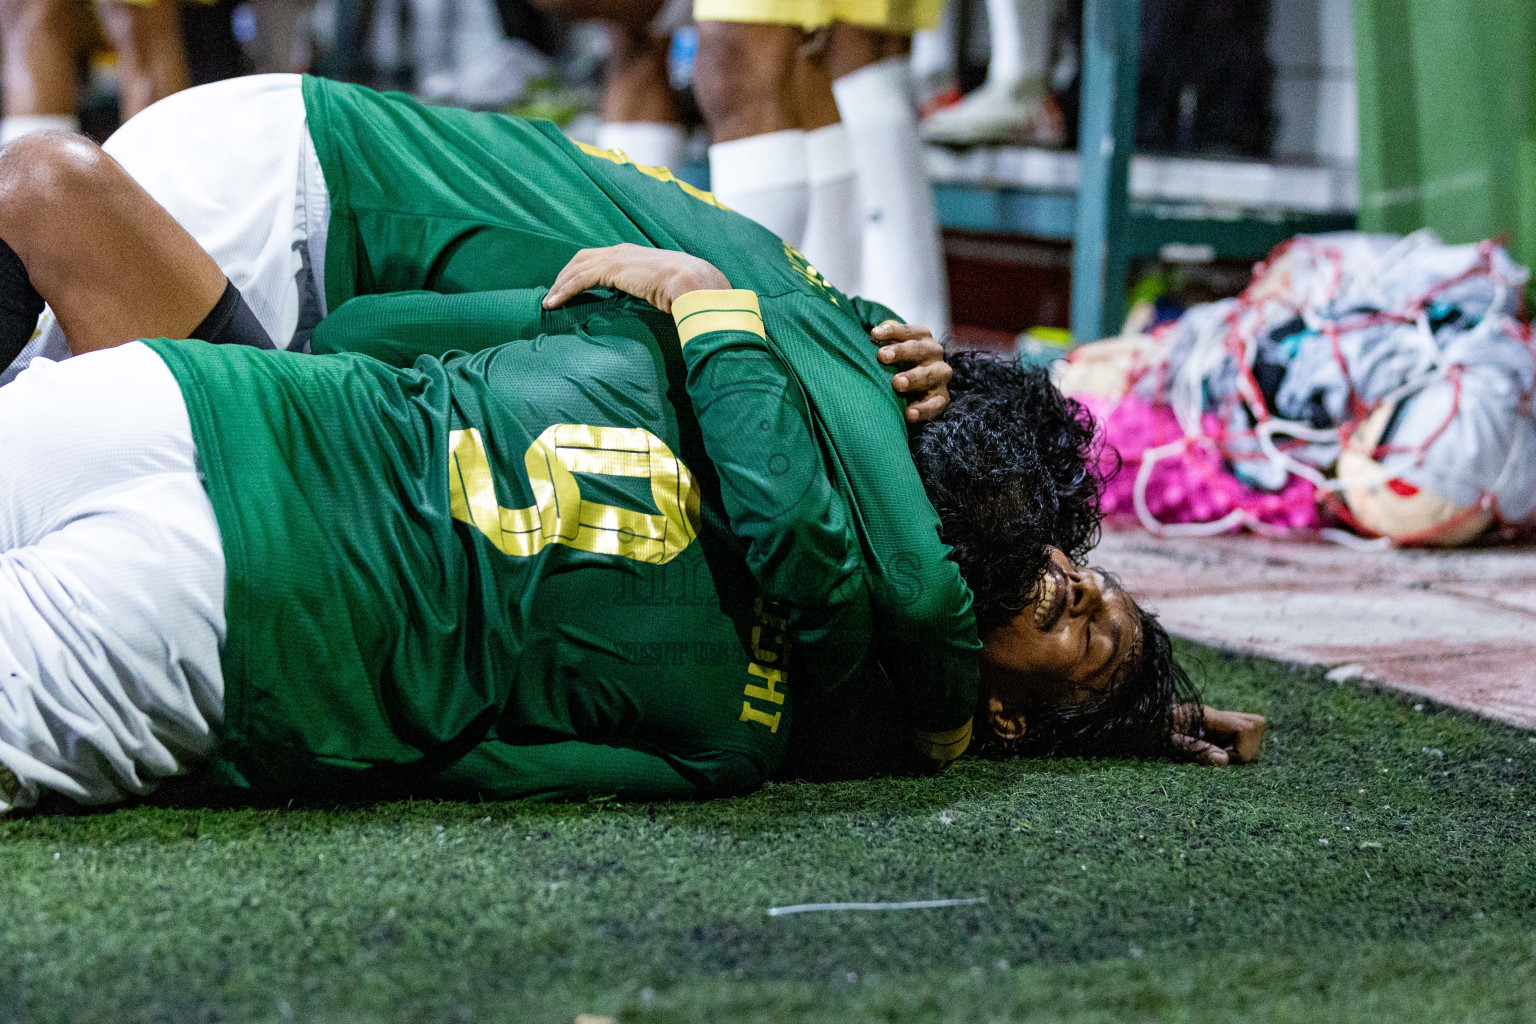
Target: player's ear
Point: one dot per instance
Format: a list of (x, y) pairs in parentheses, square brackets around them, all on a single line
[(1008, 725)]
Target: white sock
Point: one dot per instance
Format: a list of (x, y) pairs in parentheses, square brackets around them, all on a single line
[(834, 237), (1020, 32), (933, 55), (653, 143), (903, 258), (17, 125), (765, 177)]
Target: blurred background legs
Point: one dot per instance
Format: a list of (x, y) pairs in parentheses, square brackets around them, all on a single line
[(745, 83), (834, 235), (40, 66), (147, 39), (640, 114)]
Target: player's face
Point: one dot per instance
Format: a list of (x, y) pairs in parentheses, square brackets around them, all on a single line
[(1064, 648)]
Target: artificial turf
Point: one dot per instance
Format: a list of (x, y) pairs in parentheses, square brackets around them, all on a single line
[(1378, 864)]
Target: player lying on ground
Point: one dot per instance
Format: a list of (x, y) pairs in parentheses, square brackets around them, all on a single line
[(511, 569), (449, 200), (300, 188), (267, 172)]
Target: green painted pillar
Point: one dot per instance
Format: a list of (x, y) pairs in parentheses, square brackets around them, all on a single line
[(1447, 94), (1106, 139)]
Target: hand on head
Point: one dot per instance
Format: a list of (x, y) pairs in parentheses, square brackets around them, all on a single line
[(924, 376), (662, 276)]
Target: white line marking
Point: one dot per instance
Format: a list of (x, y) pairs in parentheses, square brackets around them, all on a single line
[(809, 908)]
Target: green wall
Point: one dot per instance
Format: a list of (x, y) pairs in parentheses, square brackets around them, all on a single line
[(1447, 94)]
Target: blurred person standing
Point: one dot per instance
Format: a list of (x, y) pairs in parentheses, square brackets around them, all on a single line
[(812, 108), (40, 39), (640, 112)]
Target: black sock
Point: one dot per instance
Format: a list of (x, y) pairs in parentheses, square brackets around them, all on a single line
[(20, 306), (232, 322)]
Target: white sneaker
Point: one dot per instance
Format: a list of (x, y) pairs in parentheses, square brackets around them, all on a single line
[(995, 113)]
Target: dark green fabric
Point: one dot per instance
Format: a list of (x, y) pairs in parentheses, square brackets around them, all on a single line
[(376, 644), (451, 201)]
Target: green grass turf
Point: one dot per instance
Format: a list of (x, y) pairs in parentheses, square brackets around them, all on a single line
[(1377, 865)]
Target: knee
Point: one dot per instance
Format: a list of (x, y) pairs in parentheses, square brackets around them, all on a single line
[(47, 174), (743, 67)]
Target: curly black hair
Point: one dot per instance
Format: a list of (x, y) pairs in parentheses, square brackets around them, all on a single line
[(1012, 470)]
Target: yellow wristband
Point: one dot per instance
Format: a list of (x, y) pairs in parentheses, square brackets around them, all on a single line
[(706, 310), (944, 747)]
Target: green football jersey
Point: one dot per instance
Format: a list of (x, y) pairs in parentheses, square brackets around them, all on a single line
[(462, 564), (450, 201)]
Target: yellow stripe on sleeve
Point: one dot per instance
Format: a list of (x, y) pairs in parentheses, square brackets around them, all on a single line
[(706, 310)]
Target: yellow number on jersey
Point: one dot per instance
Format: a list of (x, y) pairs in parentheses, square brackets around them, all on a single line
[(559, 515)]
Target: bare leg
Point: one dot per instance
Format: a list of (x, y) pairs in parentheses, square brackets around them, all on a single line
[(745, 78), (745, 81), (39, 42), (111, 261), (813, 86), (851, 48), (147, 39), (635, 84), (640, 115)]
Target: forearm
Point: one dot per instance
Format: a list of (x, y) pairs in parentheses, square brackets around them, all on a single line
[(801, 544), (401, 326)]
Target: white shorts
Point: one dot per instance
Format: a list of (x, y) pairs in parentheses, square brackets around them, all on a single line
[(234, 164), (111, 582)]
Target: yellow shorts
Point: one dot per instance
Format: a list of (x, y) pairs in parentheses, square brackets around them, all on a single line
[(902, 17)]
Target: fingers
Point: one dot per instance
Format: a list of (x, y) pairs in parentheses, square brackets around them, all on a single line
[(893, 331), (1241, 733), (919, 351), (926, 377), (1202, 751), (576, 277), (928, 408)]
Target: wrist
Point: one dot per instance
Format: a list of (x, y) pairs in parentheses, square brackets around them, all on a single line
[(700, 281), (715, 309)]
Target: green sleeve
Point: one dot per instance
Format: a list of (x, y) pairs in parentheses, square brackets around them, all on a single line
[(573, 769), (924, 626), (398, 327), (871, 314), (802, 547)]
